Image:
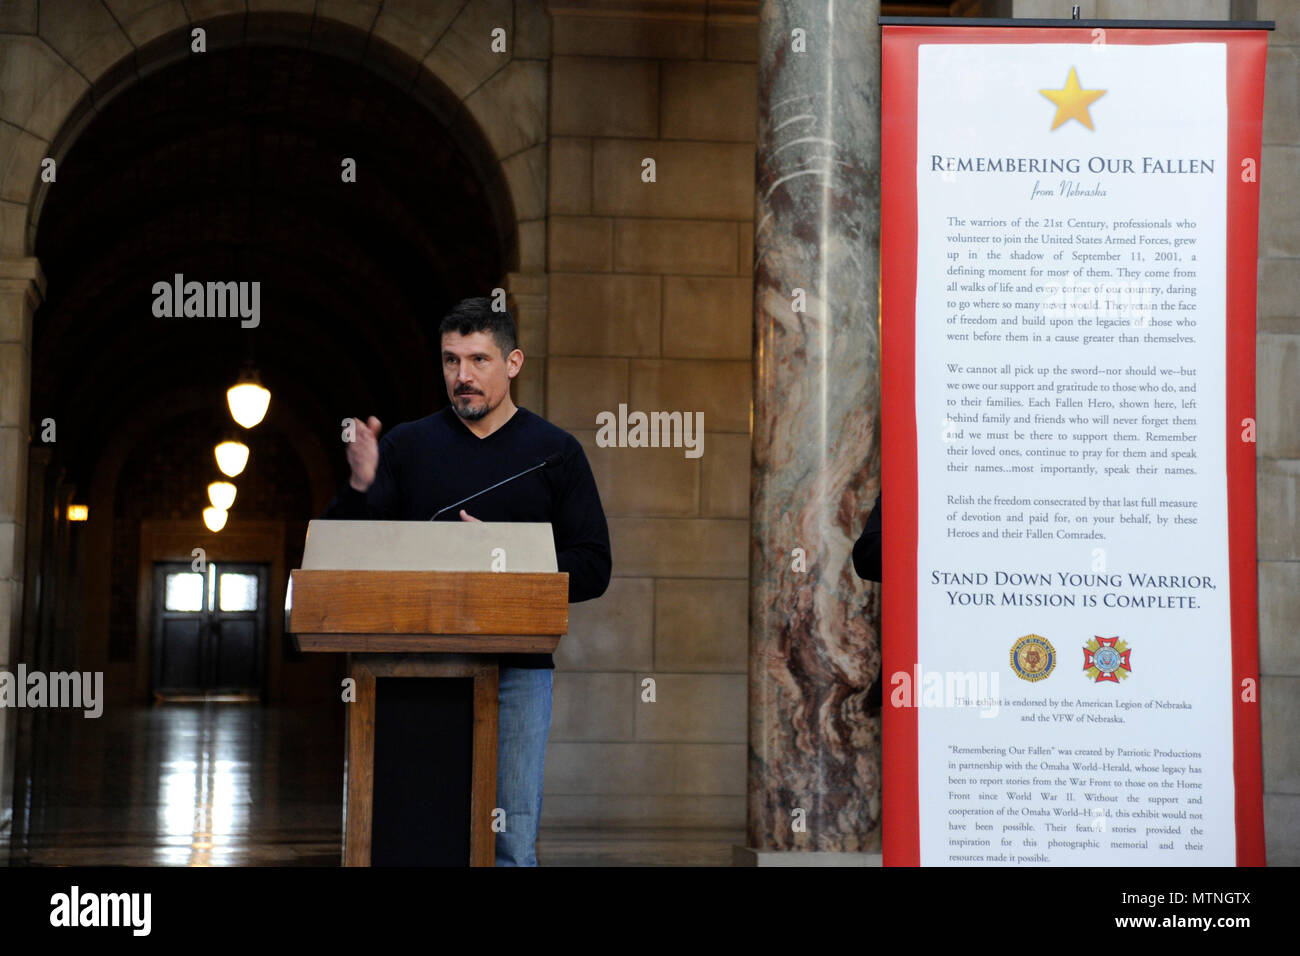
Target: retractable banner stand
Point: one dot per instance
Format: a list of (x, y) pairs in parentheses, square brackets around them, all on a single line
[(1069, 221)]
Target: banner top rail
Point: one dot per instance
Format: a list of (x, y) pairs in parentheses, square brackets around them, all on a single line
[(1081, 24)]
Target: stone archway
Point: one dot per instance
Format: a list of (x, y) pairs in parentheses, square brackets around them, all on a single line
[(61, 72)]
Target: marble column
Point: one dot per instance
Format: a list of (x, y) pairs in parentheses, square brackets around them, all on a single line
[(22, 288), (814, 749)]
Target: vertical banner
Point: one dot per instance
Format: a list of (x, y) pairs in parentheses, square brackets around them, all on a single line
[(1069, 222)]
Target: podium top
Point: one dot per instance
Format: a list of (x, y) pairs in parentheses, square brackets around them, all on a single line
[(429, 546)]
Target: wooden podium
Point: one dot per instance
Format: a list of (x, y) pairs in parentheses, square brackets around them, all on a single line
[(422, 615)]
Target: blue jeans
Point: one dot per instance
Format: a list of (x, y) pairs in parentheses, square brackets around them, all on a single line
[(523, 722)]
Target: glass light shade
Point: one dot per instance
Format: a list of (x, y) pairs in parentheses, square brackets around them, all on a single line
[(248, 402), (221, 494), (78, 512), (232, 456), (214, 518)]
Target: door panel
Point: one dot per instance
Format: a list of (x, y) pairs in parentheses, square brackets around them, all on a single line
[(181, 665), (235, 656)]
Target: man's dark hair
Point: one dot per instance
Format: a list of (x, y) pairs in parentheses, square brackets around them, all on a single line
[(476, 315)]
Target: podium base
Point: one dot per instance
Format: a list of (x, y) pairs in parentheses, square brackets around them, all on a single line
[(421, 760)]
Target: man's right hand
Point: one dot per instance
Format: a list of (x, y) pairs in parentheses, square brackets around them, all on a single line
[(363, 453)]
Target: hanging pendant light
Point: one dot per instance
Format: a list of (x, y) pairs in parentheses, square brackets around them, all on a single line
[(247, 399), (232, 456), (221, 494), (214, 518)]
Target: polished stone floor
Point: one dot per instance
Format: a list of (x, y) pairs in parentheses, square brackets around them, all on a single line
[(182, 784), (237, 784)]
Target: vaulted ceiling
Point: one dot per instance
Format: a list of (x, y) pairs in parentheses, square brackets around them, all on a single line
[(228, 167)]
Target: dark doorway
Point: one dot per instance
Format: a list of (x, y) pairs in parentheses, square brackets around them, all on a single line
[(209, 630)]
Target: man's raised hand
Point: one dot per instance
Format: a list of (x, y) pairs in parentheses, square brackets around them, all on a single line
[(363, 453)]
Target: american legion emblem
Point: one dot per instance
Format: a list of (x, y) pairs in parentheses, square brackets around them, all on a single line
[(1106, 658), (1033, 657)]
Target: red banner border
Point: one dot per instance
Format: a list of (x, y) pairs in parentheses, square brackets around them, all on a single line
[(1246, 52)]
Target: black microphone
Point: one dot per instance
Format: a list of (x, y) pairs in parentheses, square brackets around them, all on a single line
[(549, 461)]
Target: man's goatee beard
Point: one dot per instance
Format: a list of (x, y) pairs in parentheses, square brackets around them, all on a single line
[(469, 414)]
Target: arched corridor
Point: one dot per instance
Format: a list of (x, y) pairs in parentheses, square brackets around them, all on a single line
[(349, 196)]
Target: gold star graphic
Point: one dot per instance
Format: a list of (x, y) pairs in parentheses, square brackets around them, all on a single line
[(1072, 102)]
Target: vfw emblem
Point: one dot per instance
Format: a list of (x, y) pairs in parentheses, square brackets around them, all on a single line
[(1106, 658)]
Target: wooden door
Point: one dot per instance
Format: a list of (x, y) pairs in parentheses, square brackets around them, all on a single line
[(209, 629)]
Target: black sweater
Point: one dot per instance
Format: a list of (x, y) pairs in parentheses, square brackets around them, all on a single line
[(428, 464)]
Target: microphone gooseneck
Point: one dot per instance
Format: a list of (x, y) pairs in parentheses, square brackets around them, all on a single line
[(549, 461)]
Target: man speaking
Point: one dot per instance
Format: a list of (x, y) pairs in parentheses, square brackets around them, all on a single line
[(421, 468)]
